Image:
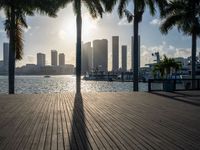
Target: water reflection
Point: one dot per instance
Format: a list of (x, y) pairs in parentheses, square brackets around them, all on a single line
[(39, 84)]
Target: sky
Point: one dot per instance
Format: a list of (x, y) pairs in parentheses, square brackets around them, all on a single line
[(45, 34)]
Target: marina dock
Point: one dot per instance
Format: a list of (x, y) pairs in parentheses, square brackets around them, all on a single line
[(125, 120)]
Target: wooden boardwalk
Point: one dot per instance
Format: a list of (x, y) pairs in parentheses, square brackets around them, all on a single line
[(97, 121)]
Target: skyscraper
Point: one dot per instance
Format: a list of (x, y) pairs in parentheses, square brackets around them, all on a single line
[(132, 53), (54, 58), (100, 55), (5, 55), (41, 59), (86, 58), (124, 58), (61, 59), (115, 53)]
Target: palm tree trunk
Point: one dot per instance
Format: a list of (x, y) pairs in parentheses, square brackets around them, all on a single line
[(78, 53), (12, 54), (194, 49), (135, 50)]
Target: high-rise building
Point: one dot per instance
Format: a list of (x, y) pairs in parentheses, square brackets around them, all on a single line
[(115, 53), (61, 59), (132, 53), (100, 55), (86, 58), (124, 58), (5, 55), (41, 59), (54, 58)]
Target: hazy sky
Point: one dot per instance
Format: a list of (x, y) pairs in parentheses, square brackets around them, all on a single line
[(45, 34)]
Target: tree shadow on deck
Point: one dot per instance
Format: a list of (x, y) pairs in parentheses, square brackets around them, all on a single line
[(186, 98), (79, 138)]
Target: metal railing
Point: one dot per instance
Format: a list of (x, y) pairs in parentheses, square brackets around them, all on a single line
[(173, 84)]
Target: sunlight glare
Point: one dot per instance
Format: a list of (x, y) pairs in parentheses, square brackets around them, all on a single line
[(89, 25), (68, 28)]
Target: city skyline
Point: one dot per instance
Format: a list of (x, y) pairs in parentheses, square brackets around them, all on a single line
[(39, 37), (54, 59), (90, 52), (88, 58)]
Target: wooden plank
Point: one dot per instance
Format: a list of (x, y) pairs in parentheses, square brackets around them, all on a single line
[(21, 122), (43, 135), (47, 142), (60, 131), (54, 126), (163, 130), (65, 123), (97, 121), (34, 124), (39, 138), (112, 128)]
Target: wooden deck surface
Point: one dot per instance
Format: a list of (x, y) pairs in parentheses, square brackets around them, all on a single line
[(98, 121)]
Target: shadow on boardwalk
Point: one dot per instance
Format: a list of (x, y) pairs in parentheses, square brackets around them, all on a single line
[(79, 138), (189, 97)]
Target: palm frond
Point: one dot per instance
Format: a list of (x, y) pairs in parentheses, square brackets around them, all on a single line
[(128, 15), (122, 6), (184, 14), (151, 4), (7, 21), (94, 7), (168, 23), (109, 4), (98, 7)]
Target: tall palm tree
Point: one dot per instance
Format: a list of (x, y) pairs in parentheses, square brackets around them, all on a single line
[(95, 9), (139, 7), (16, 12), (185, 15)]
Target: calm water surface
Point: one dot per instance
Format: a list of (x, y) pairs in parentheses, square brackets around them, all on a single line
[(39, 84)]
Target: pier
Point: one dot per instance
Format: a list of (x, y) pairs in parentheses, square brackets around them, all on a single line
[(64, 121)]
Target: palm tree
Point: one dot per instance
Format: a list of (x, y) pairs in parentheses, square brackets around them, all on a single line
[(139, 7), (185, 15), (166, 66), (16, 12), (158, 70), (95, 9)]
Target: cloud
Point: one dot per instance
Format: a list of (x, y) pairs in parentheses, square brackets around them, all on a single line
[(30, 59), (2, 15), (124, 22), (27, 59), (163, 48), (183, 52), (156, 22)]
